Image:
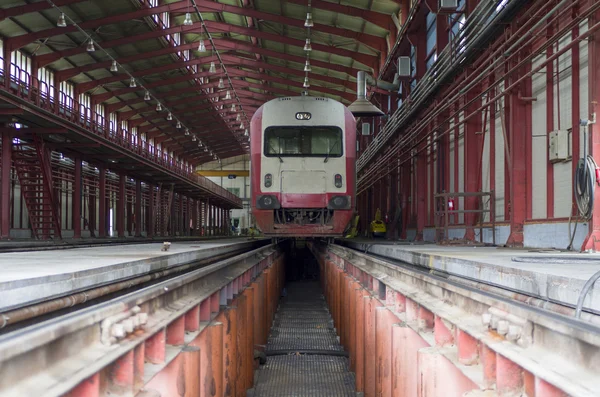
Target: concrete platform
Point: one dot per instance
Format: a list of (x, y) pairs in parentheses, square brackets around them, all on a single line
[(548, 274), (29, 277), (27, 244)]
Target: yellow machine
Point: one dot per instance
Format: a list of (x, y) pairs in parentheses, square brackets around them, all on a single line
[(353, 232), (377, 227)]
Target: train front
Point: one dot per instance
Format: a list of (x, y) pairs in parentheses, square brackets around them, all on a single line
[(303, 154)]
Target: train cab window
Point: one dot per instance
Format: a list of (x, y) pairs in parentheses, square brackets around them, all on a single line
[(314, 141)]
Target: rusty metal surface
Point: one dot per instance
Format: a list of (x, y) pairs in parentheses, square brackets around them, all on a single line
[(303, 323), (499, 341), (146, 327)]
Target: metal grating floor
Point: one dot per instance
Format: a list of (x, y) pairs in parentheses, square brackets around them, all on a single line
[(303, 323)]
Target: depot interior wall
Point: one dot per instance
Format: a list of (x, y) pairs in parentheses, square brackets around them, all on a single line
[(494, 147), (241, 183)]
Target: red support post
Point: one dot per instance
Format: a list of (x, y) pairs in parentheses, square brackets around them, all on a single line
[(421, 183), (121, 207), (5, 183), (77, 196), (550, 126), (102, 202), (519, 144), (137, 216), (592, 241), (151, 210), (473, 140)]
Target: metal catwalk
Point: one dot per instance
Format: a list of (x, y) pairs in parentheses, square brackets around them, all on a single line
[(305, 357)]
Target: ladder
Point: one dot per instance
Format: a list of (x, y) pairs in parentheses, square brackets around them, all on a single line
[(34, 171)]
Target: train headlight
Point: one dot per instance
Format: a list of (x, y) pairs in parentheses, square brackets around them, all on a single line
[(268, 180), (339, 203), (267, 202), (338, 180)]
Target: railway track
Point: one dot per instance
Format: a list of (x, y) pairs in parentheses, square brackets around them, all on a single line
[(141, 336)]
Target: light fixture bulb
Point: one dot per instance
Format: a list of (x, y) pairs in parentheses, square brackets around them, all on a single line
[(90, 46), (237, 118), (212, 68), (221, 85), (62, 22), (169, 116), (228, 95), (194, 138), (188, 19), (309, 22), (178, 124), (307, 67), (158, 107), (306, 83), (242, 124), (246, 132), (307, 46), (201, 46), (187, 132), (132, 83), (205, 149), (146, 96), (114, 67), (233, 107)]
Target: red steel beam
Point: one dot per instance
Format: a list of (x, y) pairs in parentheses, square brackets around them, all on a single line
[(19, 41), (366, 59), (382, 20), (33, 7), (222, 44), (261, 76), (83, 87), (378, 43), (179, 79)]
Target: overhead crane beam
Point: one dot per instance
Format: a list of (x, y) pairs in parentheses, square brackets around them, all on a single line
[(222, 173)]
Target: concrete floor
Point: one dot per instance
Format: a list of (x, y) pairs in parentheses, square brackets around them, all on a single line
[(549, 274), (28, 277)]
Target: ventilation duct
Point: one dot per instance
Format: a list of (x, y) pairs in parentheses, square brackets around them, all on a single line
[(362, 107)]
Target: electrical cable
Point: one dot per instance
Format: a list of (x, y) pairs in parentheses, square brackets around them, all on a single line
[(584, 185)]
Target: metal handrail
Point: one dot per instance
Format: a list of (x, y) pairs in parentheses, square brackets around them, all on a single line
[(38, 92), (448, 62)]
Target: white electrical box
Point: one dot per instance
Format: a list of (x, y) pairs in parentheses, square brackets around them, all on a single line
[(404, 66), (558, 149), (448, 4), (366, 129)]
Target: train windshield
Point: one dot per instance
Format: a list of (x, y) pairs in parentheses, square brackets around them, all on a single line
[(313, 141)]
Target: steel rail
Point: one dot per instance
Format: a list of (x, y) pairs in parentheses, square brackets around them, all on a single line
[(84, 342), (18, 315), (520, 332)]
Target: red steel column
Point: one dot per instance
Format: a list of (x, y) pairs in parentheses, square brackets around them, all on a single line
[(102, 202), (138, 208), (592, 241), (5, 183), (550, 126), (473, 139), (121, 207), (77, 200), (520, 142), (421, 193), (150, 231)]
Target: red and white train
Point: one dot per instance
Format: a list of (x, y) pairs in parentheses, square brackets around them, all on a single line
[(303, 173)]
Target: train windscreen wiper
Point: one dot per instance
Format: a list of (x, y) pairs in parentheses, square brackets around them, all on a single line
[(330, 150), (275, 152)]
